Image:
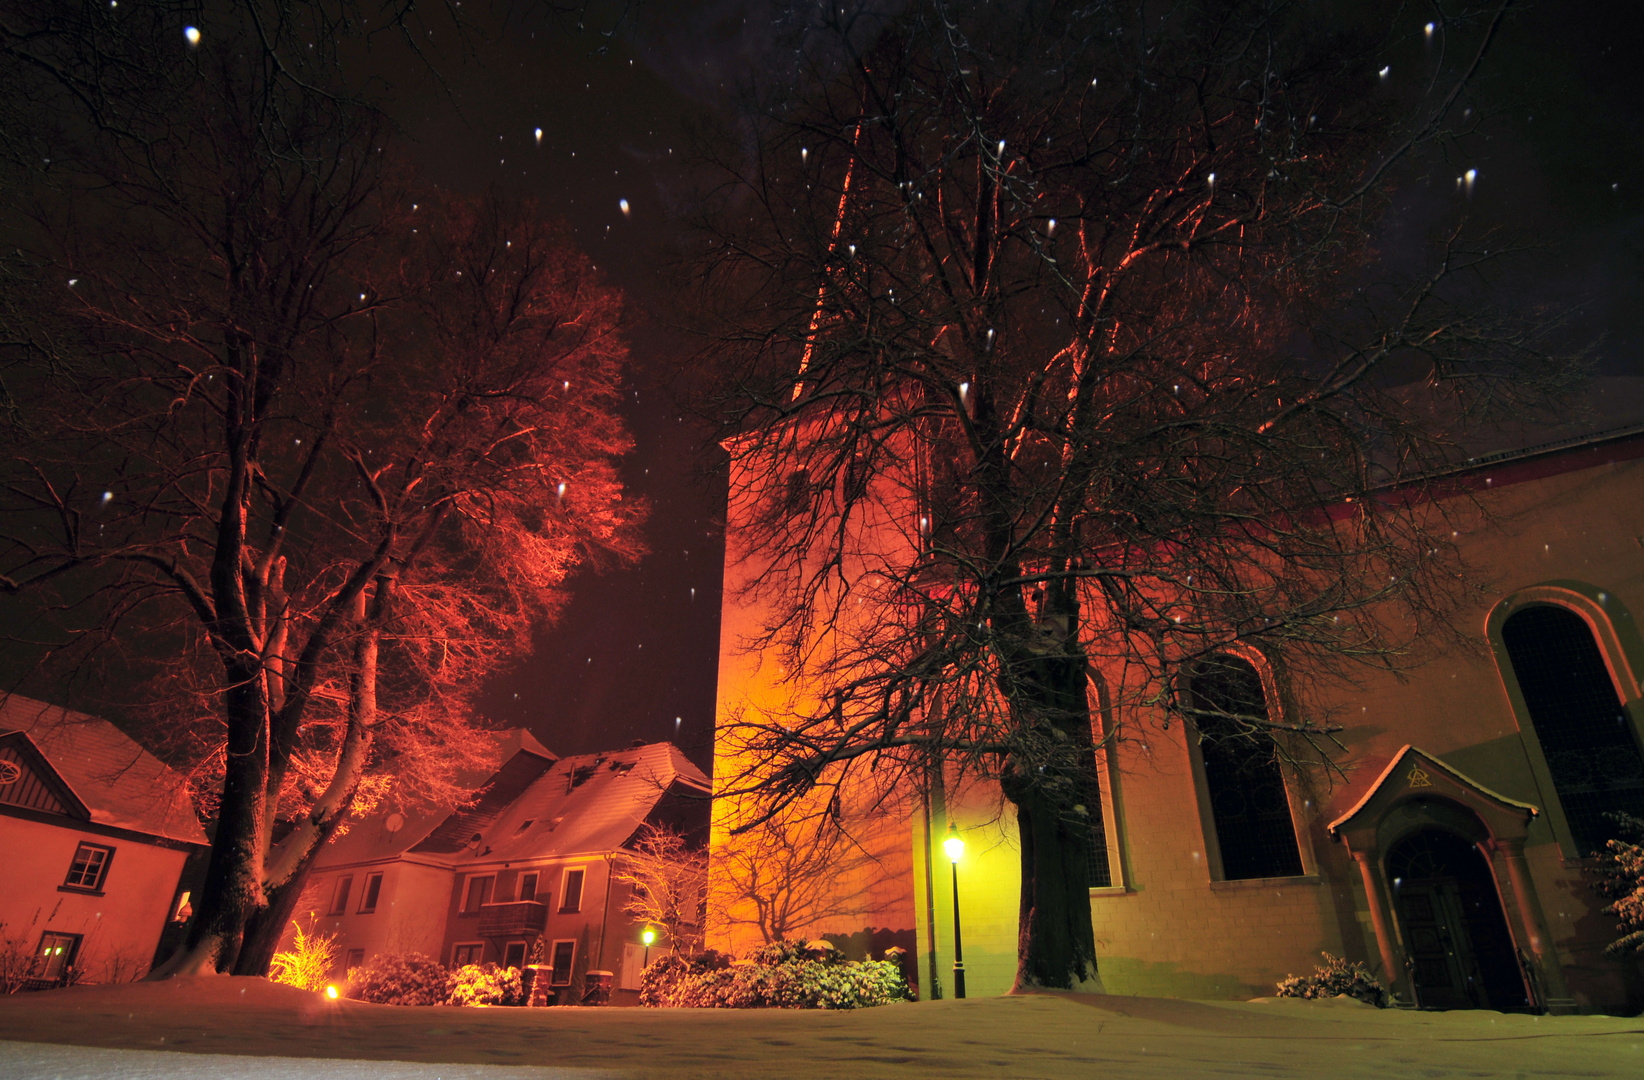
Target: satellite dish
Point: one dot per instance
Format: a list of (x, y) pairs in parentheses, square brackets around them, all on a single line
[(394, 822)]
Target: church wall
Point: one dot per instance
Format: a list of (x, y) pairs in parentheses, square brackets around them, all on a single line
[(1166, 928)]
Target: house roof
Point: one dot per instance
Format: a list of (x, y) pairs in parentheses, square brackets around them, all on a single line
[(120, 784), (394, 827), (592, 802)]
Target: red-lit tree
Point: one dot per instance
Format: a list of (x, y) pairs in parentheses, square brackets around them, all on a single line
[(318, 450), (1054, 339)]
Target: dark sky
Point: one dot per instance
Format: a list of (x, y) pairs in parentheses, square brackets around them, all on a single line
[(1559, 161)]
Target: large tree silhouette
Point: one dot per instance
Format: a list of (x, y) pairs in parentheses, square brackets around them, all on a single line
[(315, 447), (1052, 339)]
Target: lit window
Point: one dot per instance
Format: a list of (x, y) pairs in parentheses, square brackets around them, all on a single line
[(373, 888), (89, 868), (572, 893), (339, 898), (564, 953), (55, 958)]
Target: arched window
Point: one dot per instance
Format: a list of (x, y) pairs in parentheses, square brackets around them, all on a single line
[(1585, 735), (1241, 772)]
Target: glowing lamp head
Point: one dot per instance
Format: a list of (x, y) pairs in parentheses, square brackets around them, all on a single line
[(954, 846), (331, 993), (648, 937)]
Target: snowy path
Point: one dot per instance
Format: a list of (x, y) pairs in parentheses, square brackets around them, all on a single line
[(44, 1061), (223, 1027)]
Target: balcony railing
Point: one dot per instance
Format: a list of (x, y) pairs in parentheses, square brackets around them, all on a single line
[(512, 919)]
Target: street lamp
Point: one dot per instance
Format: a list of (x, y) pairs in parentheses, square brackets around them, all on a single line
[(648, 936), (955, 848)]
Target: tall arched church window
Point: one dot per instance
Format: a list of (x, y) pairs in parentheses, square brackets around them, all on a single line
[(1242, 778), (1584, 732)]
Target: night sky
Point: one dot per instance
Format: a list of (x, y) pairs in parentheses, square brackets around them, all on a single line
[(1559, 160)]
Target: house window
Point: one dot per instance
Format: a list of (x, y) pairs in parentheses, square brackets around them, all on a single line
[(528, 886), (88, 868), (571, 895), (54, 959), (368, 897), (513, 956), (564, 953), (339, 898), (1577, 716), (466, 952), (1249, 807), (479, 892), (354, 959)]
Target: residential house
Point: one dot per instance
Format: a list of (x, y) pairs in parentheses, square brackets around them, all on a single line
[(525, 871), (94, 833)]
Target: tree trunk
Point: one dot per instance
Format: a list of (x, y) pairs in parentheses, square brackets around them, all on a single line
[(1056, 947), (287, 867), (233, 884)]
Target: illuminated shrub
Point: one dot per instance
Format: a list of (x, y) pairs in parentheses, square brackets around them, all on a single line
[(399, 979), (1334, 978), (1621, 879), (783, 975), (307, 964), (484, 984)]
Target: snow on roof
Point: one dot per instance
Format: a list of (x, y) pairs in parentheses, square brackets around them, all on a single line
[(593, 802), (121, 784), (394, 827)]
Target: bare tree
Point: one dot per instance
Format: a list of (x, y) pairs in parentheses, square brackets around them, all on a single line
[(667, 879), (318, 448), (1051, 339), (798, 874)]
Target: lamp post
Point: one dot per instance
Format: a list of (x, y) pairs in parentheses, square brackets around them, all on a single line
[(647, 937), (955, 848)]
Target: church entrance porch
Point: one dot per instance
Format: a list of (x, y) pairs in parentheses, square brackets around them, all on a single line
[(1431, 845), (1458, 948)]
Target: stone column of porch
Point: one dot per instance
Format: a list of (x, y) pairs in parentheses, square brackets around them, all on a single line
[(1550, 970), (1398, 980)]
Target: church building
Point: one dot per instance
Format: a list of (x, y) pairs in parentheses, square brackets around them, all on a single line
[(1451, 851)]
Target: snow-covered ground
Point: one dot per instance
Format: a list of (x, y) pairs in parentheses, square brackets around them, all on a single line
[(223, 1027)]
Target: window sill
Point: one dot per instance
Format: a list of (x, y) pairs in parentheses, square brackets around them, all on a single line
[(75, 889), (1263, 883), (1110, 890)]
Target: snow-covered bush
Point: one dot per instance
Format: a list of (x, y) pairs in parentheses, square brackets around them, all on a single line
[(1621, 879), (1334, 978), (399, 979), (782, 975), (307, 964), (484, 984)]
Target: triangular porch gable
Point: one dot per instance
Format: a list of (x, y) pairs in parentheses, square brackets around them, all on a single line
[(1415, 774), (27, 780)]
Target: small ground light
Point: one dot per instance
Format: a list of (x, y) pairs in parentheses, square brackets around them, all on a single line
[(331, 993), (191, 35)]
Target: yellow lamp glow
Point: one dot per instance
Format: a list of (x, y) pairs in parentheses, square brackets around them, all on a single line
[(331, 992), (648, 936), (954, 846)]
